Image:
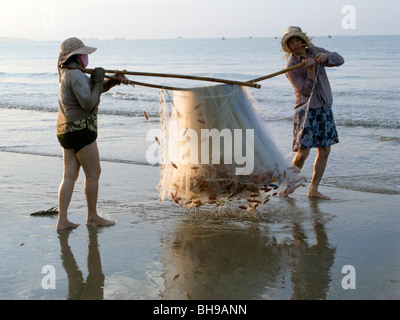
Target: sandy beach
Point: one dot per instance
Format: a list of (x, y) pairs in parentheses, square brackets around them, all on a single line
[(292, 248)]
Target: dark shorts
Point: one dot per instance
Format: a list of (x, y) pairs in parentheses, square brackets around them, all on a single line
[(319, 129), (76, 140)]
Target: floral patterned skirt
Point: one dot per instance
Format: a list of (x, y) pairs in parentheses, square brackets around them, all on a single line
[(319, 128)]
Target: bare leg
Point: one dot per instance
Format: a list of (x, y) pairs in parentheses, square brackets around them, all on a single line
[(300, 157), (319, 169), (88, 157), (71, 173)]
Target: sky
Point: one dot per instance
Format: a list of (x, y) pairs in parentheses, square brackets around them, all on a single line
[(159, 19)]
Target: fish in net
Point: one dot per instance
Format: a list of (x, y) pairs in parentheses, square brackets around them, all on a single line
[(216, 150)]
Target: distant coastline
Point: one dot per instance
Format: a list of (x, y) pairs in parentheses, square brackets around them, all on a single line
[(11, 39)]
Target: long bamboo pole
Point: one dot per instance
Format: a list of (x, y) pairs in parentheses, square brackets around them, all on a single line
[(251, 83), (296, 66), (180, 76), (144, 84)]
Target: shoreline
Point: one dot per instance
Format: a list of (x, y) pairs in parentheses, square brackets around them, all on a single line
[(292, 249)]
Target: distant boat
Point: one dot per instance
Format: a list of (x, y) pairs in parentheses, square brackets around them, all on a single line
[(223, 38), (329, 36)]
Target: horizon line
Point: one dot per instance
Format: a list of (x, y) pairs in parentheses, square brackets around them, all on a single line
[(20, 39)]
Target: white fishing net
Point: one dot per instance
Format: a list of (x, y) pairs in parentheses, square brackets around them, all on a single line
[(216, 149)]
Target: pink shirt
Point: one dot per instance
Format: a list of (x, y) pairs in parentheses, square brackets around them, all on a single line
[(303, 83)]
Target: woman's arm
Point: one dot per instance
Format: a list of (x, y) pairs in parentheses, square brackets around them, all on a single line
[(109, 83), (327, 58), (88, 98)]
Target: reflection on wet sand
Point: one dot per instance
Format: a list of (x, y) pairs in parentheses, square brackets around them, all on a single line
[(232, 259), (78, 288), (311, 263)]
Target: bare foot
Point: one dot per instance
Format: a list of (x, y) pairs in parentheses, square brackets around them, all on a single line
[(283, 193), (317, 194), (290, 189), (61, 225), (286, 191), (99, 222)]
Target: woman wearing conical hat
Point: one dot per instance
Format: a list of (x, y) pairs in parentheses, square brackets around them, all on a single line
[(314, 126), (78, 102)]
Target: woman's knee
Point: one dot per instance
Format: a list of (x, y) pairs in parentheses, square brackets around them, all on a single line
[(71, 174), (324, 152), (71, 165), (90, 161), (93, 171), (302, 154), (96, 172)]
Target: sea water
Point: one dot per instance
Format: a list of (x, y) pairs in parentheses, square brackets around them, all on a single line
[(365, 90)]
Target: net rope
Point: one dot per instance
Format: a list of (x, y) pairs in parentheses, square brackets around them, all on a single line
[(297, 138)]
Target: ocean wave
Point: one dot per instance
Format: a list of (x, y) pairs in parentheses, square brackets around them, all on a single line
[(28, 75), (267, 116), (356, 93), (343, 122), (29, 107), (369, 123), (102, 111), (372, 183), (388, 139), (129, 113), (21, 150), (369, 189), (132, 96), (133, 162)]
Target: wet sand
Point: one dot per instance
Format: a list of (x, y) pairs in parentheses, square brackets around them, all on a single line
[(292, 248)]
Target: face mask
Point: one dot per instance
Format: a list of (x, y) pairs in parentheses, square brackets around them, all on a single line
[(84, 59)]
